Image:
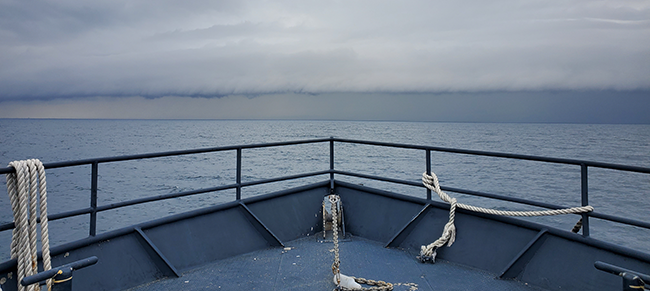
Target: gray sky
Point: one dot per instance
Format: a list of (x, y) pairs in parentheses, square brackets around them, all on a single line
[(539, 61)]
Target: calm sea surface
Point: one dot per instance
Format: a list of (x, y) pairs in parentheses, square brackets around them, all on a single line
[(611, 192)]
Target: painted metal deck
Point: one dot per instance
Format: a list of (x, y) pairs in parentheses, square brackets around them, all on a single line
[(307, 266)]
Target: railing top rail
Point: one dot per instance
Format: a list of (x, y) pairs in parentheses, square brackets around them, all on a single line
[(613, 166), (503, 155), (54, 165)]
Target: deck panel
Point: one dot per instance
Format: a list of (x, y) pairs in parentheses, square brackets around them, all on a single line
[(307, 266), (373, 216), (206, 238), (292, 216)]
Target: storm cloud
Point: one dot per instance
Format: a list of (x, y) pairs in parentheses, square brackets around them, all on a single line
[(218, 48)]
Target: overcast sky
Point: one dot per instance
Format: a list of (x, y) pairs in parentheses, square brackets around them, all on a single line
[(466, 60)]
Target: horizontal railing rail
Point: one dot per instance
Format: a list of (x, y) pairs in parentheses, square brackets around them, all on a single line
[(455, 190), (166, 154), (238, 185), (584, 165), (502, 155), (498, 197), (94, 208)]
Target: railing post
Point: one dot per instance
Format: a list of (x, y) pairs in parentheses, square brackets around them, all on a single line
[(331, 164), (238, 197), (584, 186), (428, 172), (93, 199)]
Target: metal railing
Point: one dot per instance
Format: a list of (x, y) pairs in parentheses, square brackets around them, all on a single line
[(93, 209)]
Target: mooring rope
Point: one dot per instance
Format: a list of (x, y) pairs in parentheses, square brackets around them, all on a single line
[(427, 253), (25, 188), (379, 285), (335, 238)]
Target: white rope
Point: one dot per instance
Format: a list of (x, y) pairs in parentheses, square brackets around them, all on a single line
[(335, 237), (344, 282), (449, 232), (25, 188)]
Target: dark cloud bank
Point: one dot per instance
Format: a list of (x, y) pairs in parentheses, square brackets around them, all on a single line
[(505, 61)]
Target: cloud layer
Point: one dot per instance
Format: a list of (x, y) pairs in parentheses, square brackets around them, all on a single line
[(216, 48), (563, 107)]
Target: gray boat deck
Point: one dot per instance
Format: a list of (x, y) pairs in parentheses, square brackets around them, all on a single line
[(307, 266)]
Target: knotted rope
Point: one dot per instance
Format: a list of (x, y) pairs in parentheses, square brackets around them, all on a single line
[(379, 285), (428, 252), (25, 188)]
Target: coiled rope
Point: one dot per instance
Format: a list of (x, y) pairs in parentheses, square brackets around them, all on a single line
[(25, 188), (428, 252)]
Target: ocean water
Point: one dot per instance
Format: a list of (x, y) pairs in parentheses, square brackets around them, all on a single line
[(611, 192)]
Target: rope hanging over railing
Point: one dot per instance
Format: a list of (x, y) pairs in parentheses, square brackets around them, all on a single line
[(428, 252), (25, 188)]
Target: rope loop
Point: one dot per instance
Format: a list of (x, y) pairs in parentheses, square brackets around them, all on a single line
[(27, 191), (428, 252)]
